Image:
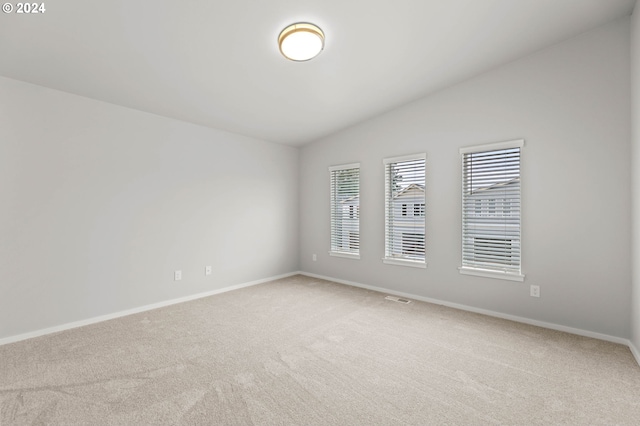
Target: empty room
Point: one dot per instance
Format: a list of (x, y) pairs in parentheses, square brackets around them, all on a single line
[(417, 212)]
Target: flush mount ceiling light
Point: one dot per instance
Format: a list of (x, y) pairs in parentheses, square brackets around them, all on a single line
[(301, 41)]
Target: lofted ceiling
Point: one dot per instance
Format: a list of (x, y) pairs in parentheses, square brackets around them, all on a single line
[(216, 63)]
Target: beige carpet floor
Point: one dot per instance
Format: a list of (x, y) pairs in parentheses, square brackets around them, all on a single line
[(302, 351)]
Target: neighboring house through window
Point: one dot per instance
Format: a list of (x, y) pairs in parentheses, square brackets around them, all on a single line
[(405, 210), (345, 210), (491, 210)]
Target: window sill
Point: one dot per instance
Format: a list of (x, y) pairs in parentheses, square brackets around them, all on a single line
[(404, 262), (486, 273), (345, 255)]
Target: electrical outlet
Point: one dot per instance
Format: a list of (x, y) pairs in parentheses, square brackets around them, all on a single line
[(315, 257), (177, 275), (534, 290), (207, 270)]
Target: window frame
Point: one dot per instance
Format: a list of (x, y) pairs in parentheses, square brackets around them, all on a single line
[(351, 214), (492, 272), (405, 212)]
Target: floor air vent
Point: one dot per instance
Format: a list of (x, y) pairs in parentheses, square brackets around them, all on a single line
[(398, 299)]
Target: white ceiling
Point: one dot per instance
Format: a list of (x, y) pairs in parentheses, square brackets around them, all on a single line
[(216, 63)]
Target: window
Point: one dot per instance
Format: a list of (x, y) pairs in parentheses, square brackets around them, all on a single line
[(412, 244), (405, 210), (354, 240), (492, 207), (491, 210), (345, 210), (490, 249)]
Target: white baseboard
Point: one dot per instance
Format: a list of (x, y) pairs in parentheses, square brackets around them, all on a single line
[(543, 324), (75, 324), (634, 351)]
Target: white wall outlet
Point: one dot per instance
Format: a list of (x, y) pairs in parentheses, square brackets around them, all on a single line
[(207, 270), (177, 275), (534, 290), (314, 257)]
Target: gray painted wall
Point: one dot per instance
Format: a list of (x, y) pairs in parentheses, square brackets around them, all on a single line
[(635, 142), (571, 104), (100, 204)]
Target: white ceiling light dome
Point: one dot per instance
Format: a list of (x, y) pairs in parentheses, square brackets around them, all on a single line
[(301, 41)]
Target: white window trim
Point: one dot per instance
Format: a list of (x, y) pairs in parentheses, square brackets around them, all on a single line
[(345, 255), (420, 156), (340, 253), (391, 260), (516, 143), (344, 167), (405, 262), (466, 270)]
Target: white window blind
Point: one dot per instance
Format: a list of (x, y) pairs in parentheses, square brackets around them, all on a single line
[(345, 210), (405, 210), (491, 208)]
